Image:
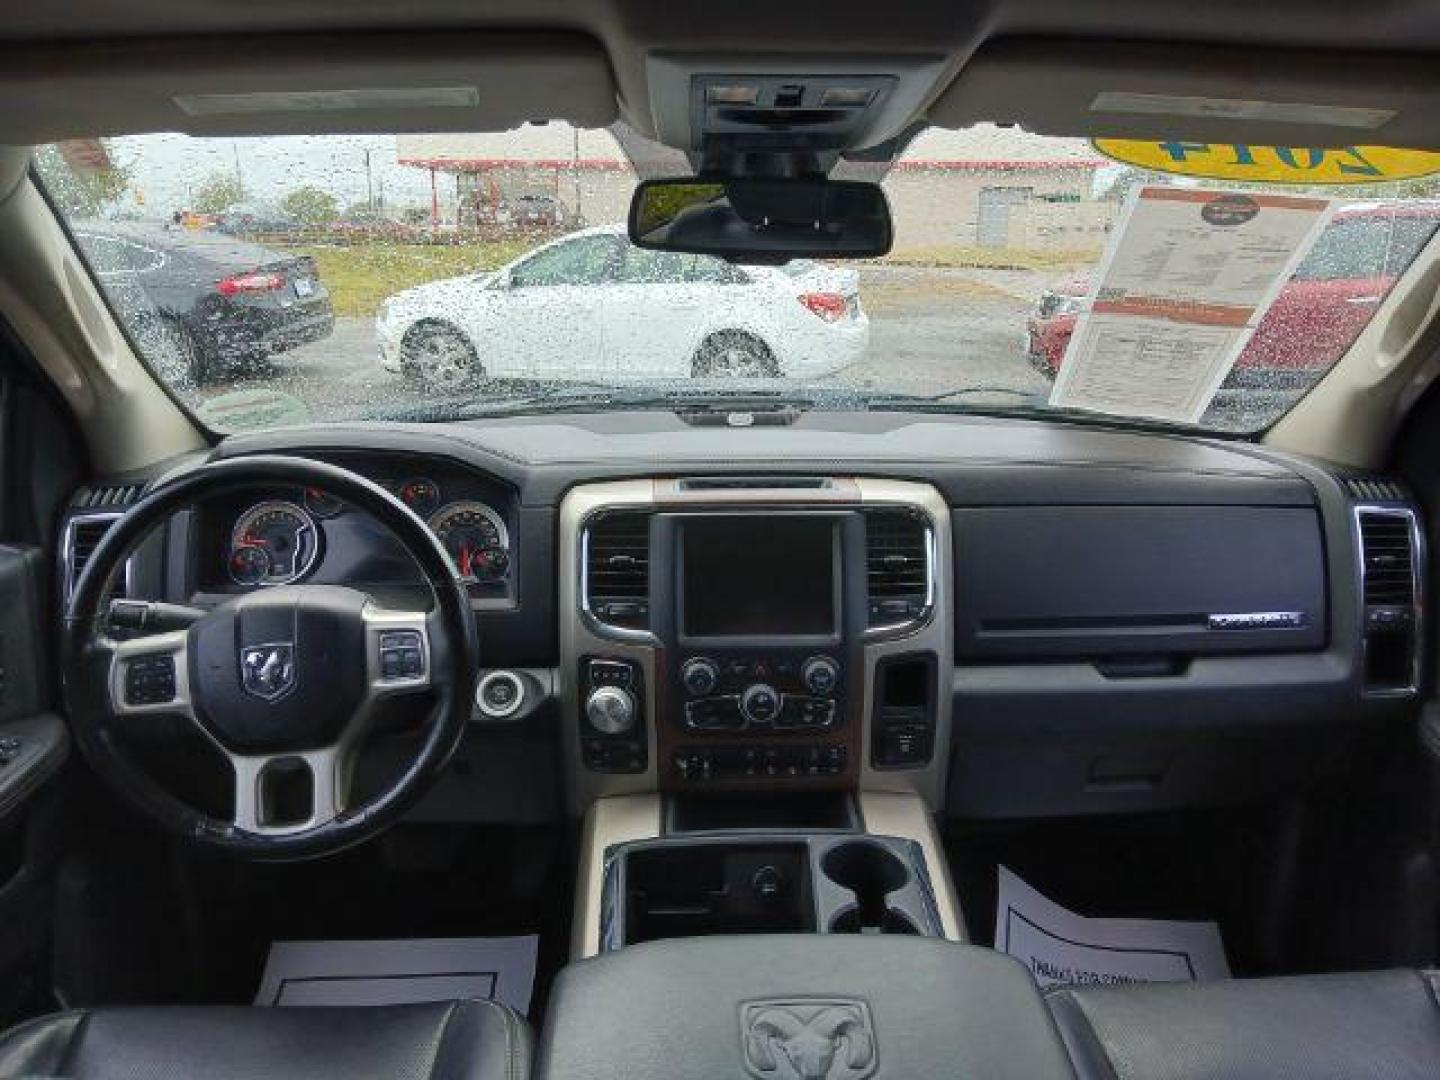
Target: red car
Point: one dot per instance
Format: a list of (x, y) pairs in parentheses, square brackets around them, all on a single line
[(1317, 315)]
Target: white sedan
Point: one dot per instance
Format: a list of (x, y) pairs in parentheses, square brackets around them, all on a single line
[(591, 305)]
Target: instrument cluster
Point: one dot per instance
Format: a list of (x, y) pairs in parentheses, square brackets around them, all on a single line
[(280, 540)]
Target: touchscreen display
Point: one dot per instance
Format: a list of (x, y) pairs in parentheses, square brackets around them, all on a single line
[(759, 576)]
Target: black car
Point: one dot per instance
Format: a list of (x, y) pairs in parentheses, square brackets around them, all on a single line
[(204, 305)]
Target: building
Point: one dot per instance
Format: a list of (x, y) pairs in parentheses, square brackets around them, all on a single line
[(980, 187), (584, 169), (992, 187)]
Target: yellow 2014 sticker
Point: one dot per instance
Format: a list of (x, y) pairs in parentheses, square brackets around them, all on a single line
[(1273, 164)]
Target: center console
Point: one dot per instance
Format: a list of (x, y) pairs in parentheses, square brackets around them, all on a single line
[(794, 1007), (756, 635)]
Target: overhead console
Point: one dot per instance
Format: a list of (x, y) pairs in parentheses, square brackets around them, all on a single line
[(762, 634)]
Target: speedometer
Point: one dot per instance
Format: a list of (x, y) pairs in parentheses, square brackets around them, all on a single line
[(475, 539), (286, 535)]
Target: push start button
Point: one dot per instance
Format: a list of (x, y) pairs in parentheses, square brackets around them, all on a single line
[(500, 694)]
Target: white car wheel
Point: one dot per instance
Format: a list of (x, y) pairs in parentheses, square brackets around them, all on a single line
[(735, 355), (441, 356)]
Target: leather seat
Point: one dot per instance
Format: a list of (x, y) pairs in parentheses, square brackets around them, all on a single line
[(1382, 1025), (463, 1040)]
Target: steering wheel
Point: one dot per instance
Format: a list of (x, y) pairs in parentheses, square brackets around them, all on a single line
[(283, 681)]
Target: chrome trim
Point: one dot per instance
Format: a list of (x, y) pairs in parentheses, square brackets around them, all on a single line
[(1417, 586), (485, 510), (308, 525), (1255, 620), (67, 553), (909, 625), (497, 676)]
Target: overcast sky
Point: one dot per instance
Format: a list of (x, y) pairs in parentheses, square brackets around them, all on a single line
[(168, 169)]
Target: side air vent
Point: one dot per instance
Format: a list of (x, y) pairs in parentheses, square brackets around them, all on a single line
[(617, 569), (898, 574), (107, 497), (1390, 588), (83, 534)]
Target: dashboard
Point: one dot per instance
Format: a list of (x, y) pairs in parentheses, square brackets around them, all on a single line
[(1011, 618)]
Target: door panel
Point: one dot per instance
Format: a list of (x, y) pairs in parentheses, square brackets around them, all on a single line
[(654, 311), (547, 317)]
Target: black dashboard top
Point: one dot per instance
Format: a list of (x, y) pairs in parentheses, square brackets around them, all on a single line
[(973, 460)]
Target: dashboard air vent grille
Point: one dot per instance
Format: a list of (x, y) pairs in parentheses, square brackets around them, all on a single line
[(1390, 587), (107, 496), (897, 567), (1373, 489), (82, 536), (617, 569)]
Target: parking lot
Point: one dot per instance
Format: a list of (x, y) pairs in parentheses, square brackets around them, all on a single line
[(932, 330)]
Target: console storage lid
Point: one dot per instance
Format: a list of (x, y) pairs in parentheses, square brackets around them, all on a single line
[(799, 1006)]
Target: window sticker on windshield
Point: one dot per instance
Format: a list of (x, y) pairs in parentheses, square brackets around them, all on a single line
[(1188, 275)]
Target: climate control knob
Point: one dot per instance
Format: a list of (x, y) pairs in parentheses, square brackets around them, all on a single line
[(760, 703), (610, 710), (700, 676), (821, 675)]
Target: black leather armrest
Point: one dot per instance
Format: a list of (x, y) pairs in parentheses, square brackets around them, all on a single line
[(31, 751), (816, 1006)]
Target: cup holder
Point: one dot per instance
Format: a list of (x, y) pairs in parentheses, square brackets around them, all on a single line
[(871, 873)]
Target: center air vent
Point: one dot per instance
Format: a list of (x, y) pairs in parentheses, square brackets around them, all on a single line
[(1389, 585), (897, 567), (617, 569)]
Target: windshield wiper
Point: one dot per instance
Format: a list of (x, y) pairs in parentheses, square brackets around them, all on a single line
[(910, 401), (570, 397)]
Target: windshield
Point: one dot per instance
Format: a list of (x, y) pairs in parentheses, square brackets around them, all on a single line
[(280, 280)]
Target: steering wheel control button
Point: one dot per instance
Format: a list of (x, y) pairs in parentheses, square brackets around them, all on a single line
[(500, 694), (820, 674), (760, 704), (150, 680), (700, 676), (610, 710), (402, 655)]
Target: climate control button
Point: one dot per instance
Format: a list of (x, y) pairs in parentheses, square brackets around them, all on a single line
[(820, 674), (700, 676), (760, 703)]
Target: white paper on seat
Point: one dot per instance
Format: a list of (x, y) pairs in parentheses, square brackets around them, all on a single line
[(1063, 948), (401, 971)]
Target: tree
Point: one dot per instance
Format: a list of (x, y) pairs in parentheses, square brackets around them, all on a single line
[(80, 192), (219, 192), (310, 206)]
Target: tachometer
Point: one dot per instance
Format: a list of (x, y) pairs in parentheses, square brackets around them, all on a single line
[(474, 535), (285, 534)]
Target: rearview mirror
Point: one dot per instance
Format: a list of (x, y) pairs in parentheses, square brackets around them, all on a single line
[(761, 220)]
